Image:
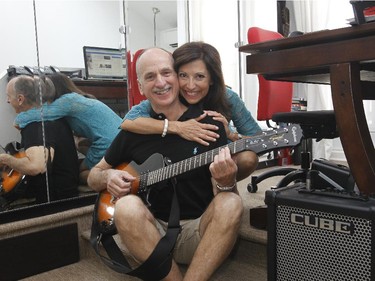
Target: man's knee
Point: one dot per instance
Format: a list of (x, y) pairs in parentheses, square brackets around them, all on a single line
[(247, 162), (229, 206), (128, 208)]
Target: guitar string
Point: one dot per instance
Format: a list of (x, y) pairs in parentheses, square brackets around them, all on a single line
[(196, 161), (158, 175)]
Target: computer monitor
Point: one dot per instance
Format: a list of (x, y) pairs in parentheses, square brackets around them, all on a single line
[(104, 63)]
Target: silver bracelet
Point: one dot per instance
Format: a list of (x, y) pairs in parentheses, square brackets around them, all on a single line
[(226, 188), (165, 129)]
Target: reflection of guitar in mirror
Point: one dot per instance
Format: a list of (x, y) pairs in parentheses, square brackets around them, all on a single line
[(9, 177), (153, 169)]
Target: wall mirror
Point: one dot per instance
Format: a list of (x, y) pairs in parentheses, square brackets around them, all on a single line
[(53, 33)]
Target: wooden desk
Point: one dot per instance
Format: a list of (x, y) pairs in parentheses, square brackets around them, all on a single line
[(104, 89), (342, 57)]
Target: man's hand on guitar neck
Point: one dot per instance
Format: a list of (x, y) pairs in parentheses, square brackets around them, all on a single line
[(224, 169)]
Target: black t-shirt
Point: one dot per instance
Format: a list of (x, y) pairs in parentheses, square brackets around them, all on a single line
[(194, 188), (63, 172)]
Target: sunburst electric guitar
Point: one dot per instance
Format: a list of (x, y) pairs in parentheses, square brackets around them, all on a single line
[(10, 178), (154, 170)]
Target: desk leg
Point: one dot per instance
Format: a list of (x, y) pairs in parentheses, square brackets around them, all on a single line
[(351, 121)]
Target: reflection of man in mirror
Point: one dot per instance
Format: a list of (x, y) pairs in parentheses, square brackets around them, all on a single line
[(49, 147)]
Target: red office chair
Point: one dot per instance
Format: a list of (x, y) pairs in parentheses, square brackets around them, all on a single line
[(274, 97), (134, 95), (274, 103)]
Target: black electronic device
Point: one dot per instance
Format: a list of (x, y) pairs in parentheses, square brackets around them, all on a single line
[(104, 63), (48, 70), (363, 11), (18, 70), (319, 235), (339, 173), (31, 70)]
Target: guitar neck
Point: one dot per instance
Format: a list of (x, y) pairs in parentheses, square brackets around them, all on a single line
[(254, 143), (191, 163)]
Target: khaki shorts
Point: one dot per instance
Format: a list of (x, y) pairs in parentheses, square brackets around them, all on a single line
[(187, 241)]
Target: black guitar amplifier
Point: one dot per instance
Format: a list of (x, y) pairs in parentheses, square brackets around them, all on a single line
[(319, 235)]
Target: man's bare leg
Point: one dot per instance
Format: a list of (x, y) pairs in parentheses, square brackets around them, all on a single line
[(219, 230), (247, 162), (136, 227)]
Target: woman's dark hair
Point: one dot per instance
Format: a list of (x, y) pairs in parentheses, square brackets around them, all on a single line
[(216, 98), (64, 85)]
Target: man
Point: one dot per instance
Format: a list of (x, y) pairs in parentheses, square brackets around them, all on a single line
[(49, 148), (210, 211)]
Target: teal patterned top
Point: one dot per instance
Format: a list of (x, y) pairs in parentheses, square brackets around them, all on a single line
[(89, 118)]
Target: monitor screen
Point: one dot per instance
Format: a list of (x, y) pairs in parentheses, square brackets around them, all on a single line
[(104, 63)]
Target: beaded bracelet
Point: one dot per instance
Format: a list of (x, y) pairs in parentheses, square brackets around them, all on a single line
[(165, 129), (226, 188)]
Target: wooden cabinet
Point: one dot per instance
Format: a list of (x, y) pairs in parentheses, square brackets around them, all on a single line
[(112, 93)]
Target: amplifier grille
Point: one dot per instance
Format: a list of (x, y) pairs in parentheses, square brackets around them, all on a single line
[(307, 251)]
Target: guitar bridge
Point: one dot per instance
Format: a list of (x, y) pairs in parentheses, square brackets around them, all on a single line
[(108, 226)]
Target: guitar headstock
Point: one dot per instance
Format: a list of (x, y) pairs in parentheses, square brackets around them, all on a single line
[(288, 136)]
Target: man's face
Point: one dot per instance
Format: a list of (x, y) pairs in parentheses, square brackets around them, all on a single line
[(157, 78), (13, 98)]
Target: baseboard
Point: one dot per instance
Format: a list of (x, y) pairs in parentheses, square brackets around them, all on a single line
[(29, 254)]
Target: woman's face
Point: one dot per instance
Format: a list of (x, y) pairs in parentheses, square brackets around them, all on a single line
[(194, 80)]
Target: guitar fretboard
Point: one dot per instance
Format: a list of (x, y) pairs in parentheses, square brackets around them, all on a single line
[(175, 169)]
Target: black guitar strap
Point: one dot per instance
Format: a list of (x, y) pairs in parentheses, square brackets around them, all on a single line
[(158, 265)]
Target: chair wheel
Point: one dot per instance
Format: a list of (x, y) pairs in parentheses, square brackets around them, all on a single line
[(252, 188)]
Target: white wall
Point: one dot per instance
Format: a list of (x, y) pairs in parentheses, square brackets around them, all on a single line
[(141, 28), (17, 39), (64, 27), (140, 20)]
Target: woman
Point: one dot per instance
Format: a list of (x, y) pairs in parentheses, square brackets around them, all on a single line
[(87, 117), (198, 67)]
